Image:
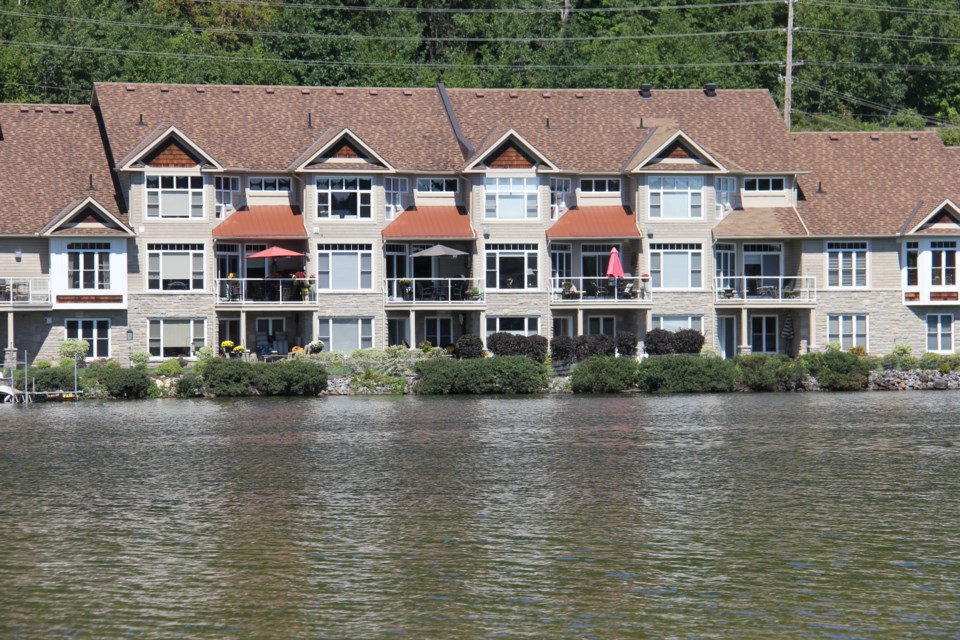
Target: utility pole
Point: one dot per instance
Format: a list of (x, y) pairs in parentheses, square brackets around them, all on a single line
[(788, 78)]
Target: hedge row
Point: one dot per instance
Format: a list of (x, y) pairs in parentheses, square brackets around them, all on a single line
[(223, 377), (833, 370), (500, 374)]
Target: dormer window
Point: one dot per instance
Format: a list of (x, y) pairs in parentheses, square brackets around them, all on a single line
[(676, 197), (344, 197), (600, 185), (437, 185), (511, 198), (269, 185), (176, 197), (764, 185)]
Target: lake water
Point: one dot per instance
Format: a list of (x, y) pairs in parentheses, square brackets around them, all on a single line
[(782, 515)]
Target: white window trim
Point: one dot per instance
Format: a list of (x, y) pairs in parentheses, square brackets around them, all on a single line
[(787, 185), (560, 190), (359, 320), (174, 173), (776, 332), (357, 249), (329, 217), (193, 324), (953, 327), (607, 192), (93, 344), (97, 270), (401, 186), (527, 321), (526, 256), (653, 250), (226, 199), (437, 192), (263, 179), (191, 252), (526, 192), (658, 320), (731, 198), (651, 191), (956, 263), (842, 252), (601, 318), (272, 320), (849, 317)]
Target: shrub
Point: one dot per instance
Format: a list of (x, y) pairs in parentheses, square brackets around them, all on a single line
[(687, 341), (931, 361), (45, 379), (501, 374), (838, 370), (139, 358), (770, 373), (205, 353), (858, 350), (686, 374), (42, 364), (126, 383), (582, 346), (562, 348), (226, 377), (534, 347), (74, 349), (601, 345), (504, 344), (189, 386), (299, 377), (626, 343), (658, 342), (468, 346), (604, 374), (314, 347), (170, 368)]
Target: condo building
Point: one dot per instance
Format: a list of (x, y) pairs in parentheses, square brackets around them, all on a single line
[(163, 218)]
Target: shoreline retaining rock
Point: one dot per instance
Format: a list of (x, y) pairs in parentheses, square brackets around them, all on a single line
[(913, 380)]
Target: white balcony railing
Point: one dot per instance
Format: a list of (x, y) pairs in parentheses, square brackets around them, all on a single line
[(266, 290), (24, 291), (601, 289), (766, 288), (433, 290)]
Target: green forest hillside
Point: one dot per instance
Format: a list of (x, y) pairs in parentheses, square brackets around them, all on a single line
[(859, 63)]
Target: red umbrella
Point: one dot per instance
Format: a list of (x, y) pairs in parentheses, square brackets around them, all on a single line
[(614, 268), (275, 252)]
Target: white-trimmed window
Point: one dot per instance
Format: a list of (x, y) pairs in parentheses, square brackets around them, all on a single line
[(725, 195), (769, 184), (345, 267), (517, 325), (398, 332), (512, 266), (676, 265), (271, 327), (725, 264), (95, 332), (88, 265), (174, 337), (263, 184), (763, 334), (393, 192), (561, 257), (600, 185), (175, 267), (175, 197), (602, 325), (228, 194), (940, 332), (560, 189), (912, 258), (943, 263), (847, 264), (346, 334), (344, 197), (677, 323), (676, 197), (848, 330), (563, 326), (511, 198), (438, 185)]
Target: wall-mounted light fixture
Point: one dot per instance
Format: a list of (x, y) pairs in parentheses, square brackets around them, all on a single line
[(486, 232), (18, 255), (129, 335), (649, 232)]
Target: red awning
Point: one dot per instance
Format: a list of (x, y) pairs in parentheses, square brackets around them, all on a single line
[(595, 222), (435, 223), (274, 221)]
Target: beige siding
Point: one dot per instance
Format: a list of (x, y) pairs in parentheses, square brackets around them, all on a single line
[(34, 261)]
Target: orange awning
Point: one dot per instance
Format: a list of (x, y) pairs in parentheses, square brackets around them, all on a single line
[(435, 223), (274, 221), (595, 222)]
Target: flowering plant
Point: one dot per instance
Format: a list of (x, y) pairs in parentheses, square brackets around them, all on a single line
[(231, 275), (238, 348), (296, 349), (226, 345), (425, 346)]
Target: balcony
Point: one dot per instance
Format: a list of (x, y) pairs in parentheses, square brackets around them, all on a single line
[(764, 290), (265, 291), (24, 292), (600, 291), (433, 291)]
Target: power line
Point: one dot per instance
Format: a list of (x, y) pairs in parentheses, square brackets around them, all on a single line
[(883, 8), (516, 10), (359, 37), (891, 110), (890, 66), (881, 36), (443, 65)]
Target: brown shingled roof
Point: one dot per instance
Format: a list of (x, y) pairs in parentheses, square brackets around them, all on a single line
[(47, 156), (774, 222), (267, 128), (598, 130), (873, 183)]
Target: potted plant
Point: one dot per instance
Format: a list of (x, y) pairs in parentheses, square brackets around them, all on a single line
[(226, 347), (645, 280), (406, 288), (475, 293)]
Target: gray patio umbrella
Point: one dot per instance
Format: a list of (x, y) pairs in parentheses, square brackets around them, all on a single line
[(438, 250), (787, 331)]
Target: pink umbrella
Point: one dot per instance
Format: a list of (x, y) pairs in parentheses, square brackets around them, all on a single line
[(614, 268), (274, 252)]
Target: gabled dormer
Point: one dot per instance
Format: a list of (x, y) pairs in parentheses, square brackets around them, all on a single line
[(341, 152), (668, 148), (167, 148), (931, 253), (509, 151)]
